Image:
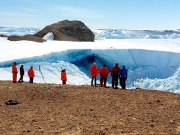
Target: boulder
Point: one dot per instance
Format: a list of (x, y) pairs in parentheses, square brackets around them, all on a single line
[(68, 31), (12, 102), (64, 31)]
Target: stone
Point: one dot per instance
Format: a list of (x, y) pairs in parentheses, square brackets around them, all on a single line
[(68, 31), (63, 31), (12, 102)]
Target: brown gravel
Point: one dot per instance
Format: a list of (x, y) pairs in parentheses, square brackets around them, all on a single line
[(51, 109)]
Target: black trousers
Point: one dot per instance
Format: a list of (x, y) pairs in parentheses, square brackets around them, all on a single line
[(123, 83), (114, 81), (63, 82), (21, 78), (31, 79), (93, 79)]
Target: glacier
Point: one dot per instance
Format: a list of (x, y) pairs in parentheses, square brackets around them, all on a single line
[(136, 34), (152, 63), (8, 31)]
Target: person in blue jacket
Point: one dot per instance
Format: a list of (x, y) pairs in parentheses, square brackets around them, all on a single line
[(123, 77)]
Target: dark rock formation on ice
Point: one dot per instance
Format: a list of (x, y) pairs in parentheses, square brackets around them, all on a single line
[(1, 35), (68, 31), (64, 31), (28, 37)]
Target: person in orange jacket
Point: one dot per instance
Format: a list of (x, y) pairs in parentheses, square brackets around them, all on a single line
[(31, 75), (94, 72), (14, 72), (115, 73), (63, 76), (103, 75)]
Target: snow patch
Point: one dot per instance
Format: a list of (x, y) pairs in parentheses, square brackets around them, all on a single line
[(49, 36)]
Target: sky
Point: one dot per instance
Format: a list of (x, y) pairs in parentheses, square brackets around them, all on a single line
[(96, 14)]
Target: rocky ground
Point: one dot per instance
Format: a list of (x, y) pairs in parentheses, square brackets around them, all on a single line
[(51, 109)]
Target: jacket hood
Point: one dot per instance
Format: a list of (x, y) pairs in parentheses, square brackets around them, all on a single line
[(116, 65)]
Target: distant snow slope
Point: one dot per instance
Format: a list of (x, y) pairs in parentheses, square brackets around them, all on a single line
[(17, 31), (136, 34), (105, 33)]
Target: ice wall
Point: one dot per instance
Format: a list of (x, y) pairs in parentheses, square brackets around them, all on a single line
[(153, 64)]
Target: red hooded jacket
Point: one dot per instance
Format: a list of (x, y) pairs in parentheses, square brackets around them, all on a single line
[(93, 70), (115, 70), (14, 69), (104, 72), (63, 76), (31, 72)]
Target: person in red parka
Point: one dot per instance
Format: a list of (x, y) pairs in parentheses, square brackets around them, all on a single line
[(114, 73), (103, 75), (94, 72), (14, 72), (63, 76), (31, 75)]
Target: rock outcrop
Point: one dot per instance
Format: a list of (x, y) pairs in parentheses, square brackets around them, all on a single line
[(68, 31), (63, 31), (1, 35), (26, 37)]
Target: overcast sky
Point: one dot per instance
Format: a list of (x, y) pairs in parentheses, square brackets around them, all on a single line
[(115, 14)]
